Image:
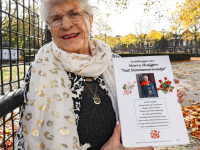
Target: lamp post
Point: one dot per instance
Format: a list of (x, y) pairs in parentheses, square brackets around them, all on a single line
[(163, 39), (105, 37), (148, 46)]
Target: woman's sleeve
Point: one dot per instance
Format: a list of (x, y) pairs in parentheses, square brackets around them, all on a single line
[(153, 89), (19, 140), (26, 83)]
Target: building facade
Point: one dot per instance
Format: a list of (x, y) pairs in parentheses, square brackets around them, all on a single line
[(182, 46)]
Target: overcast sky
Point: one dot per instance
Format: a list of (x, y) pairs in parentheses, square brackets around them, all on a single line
[(123, 23)]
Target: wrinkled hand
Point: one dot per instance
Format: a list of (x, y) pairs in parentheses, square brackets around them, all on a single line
[(114, 142), (180, 93)]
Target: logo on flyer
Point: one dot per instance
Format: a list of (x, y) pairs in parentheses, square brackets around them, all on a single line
[(155, 134)]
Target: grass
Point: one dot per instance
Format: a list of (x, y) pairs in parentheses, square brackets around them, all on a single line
[(6, 73)]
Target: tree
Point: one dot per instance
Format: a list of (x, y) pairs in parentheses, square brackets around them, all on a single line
[(129, 39), (153, 35), (142, 29), (100, 37), (199, 42), (120, 4), (177, 30), (149, 4), (102, 27), (112, 41), (189, 16), (160, 39), (14, 35), (158, 7), (8, 23), (162, 44)]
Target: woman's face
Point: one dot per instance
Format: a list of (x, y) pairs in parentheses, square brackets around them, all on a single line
[(71, 36), (145, 79)]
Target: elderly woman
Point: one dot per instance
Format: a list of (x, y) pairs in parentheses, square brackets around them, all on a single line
[(147, 87), (70, 99)]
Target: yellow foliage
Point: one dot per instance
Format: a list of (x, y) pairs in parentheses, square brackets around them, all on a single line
[(154, 35), (189, 13), (128, 39), (121, 5), (110, 40), (142, 36), (100, 37)]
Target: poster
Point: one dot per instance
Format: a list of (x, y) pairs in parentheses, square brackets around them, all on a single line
[(149, 111)]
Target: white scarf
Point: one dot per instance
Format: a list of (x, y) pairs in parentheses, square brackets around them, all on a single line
[(49, 121)]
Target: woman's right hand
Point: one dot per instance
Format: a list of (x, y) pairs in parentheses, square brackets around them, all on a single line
[(114, 142)]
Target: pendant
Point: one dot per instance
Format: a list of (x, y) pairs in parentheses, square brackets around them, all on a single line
[(96, 99), (89, 79)]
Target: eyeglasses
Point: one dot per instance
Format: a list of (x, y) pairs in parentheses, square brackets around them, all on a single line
[(74, 15)]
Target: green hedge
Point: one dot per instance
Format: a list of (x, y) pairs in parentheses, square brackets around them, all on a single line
[(173, 57), (30, 59)]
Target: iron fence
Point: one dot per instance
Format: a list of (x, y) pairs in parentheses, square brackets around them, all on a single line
[(21, 36)]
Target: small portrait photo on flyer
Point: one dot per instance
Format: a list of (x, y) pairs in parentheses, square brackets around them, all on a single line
[(146, 85)]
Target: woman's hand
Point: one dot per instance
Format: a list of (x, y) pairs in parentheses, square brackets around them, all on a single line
[(114, 142), (180, 93)]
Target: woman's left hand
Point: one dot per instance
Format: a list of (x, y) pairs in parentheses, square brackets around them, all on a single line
[(114, 143), (180, 92)]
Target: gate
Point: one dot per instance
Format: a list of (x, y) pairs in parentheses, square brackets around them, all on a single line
[(21, 36)]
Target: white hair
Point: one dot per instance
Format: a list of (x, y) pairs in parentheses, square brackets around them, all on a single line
[(145, 76), (45, 5)]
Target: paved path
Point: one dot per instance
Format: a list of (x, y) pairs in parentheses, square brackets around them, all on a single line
[(188, 73)]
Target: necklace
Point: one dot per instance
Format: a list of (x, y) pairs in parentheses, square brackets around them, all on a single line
[(89, 79), (96, 97)]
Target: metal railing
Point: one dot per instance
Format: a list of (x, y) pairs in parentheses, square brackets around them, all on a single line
[(21, 36)]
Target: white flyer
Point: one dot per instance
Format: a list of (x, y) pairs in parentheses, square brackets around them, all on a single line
[(149, 111)]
